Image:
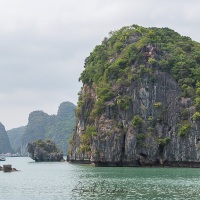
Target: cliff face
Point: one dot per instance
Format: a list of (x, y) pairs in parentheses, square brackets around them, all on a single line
[(58, 127), (4, 141), (35, 130), (15, 135), (141, 104), (64, 125)]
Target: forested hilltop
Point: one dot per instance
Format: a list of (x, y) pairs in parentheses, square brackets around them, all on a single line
[(42, 126), (140, 100)]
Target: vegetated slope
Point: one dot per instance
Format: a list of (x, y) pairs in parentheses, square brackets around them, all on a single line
[(14, 136), (58, 127), (5, 146), (140, 100)]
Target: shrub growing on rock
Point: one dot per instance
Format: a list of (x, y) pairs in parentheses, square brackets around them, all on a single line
[(184, 130), (137, 121)]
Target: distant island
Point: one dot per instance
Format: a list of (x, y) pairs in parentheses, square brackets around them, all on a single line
[(44, 151), (42, 126), (140, 101)]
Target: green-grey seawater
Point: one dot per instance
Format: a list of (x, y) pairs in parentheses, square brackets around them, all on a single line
[(63, 181)]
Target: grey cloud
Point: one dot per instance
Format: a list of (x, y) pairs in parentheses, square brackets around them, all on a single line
[(43, 44)]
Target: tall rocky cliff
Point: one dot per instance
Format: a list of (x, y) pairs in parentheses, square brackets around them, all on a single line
[(140, 100), (14, 136), (42, 126), (5, 146)]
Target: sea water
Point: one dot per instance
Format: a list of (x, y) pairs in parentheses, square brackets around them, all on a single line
[(63, 181)]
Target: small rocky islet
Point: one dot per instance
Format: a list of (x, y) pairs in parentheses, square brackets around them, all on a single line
[(44, 151), (8, 168), (140, 101)]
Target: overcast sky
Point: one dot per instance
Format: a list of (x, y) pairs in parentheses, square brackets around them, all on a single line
[(43, 44)]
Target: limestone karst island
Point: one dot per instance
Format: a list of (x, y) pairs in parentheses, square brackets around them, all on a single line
[(140, 101)]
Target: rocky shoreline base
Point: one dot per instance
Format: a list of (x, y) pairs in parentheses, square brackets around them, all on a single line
[(8, 168), (138, 164), (188, 164)]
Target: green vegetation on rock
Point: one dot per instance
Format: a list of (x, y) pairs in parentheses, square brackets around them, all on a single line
[(196, 116), (184, 130), (113, 59), (137, 121), (86, 137), (123, 102), (157, 105), (163, 141)]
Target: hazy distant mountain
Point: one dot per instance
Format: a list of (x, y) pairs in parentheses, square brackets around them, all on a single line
[(63, 126), (55, 127), (15, 135), (5, 146)]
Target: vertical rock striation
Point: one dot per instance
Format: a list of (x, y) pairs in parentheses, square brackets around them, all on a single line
[(4, 141), (15, 136)]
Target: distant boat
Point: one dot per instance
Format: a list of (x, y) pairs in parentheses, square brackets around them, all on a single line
[(2, 158), (11, 155), (16, 155)]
